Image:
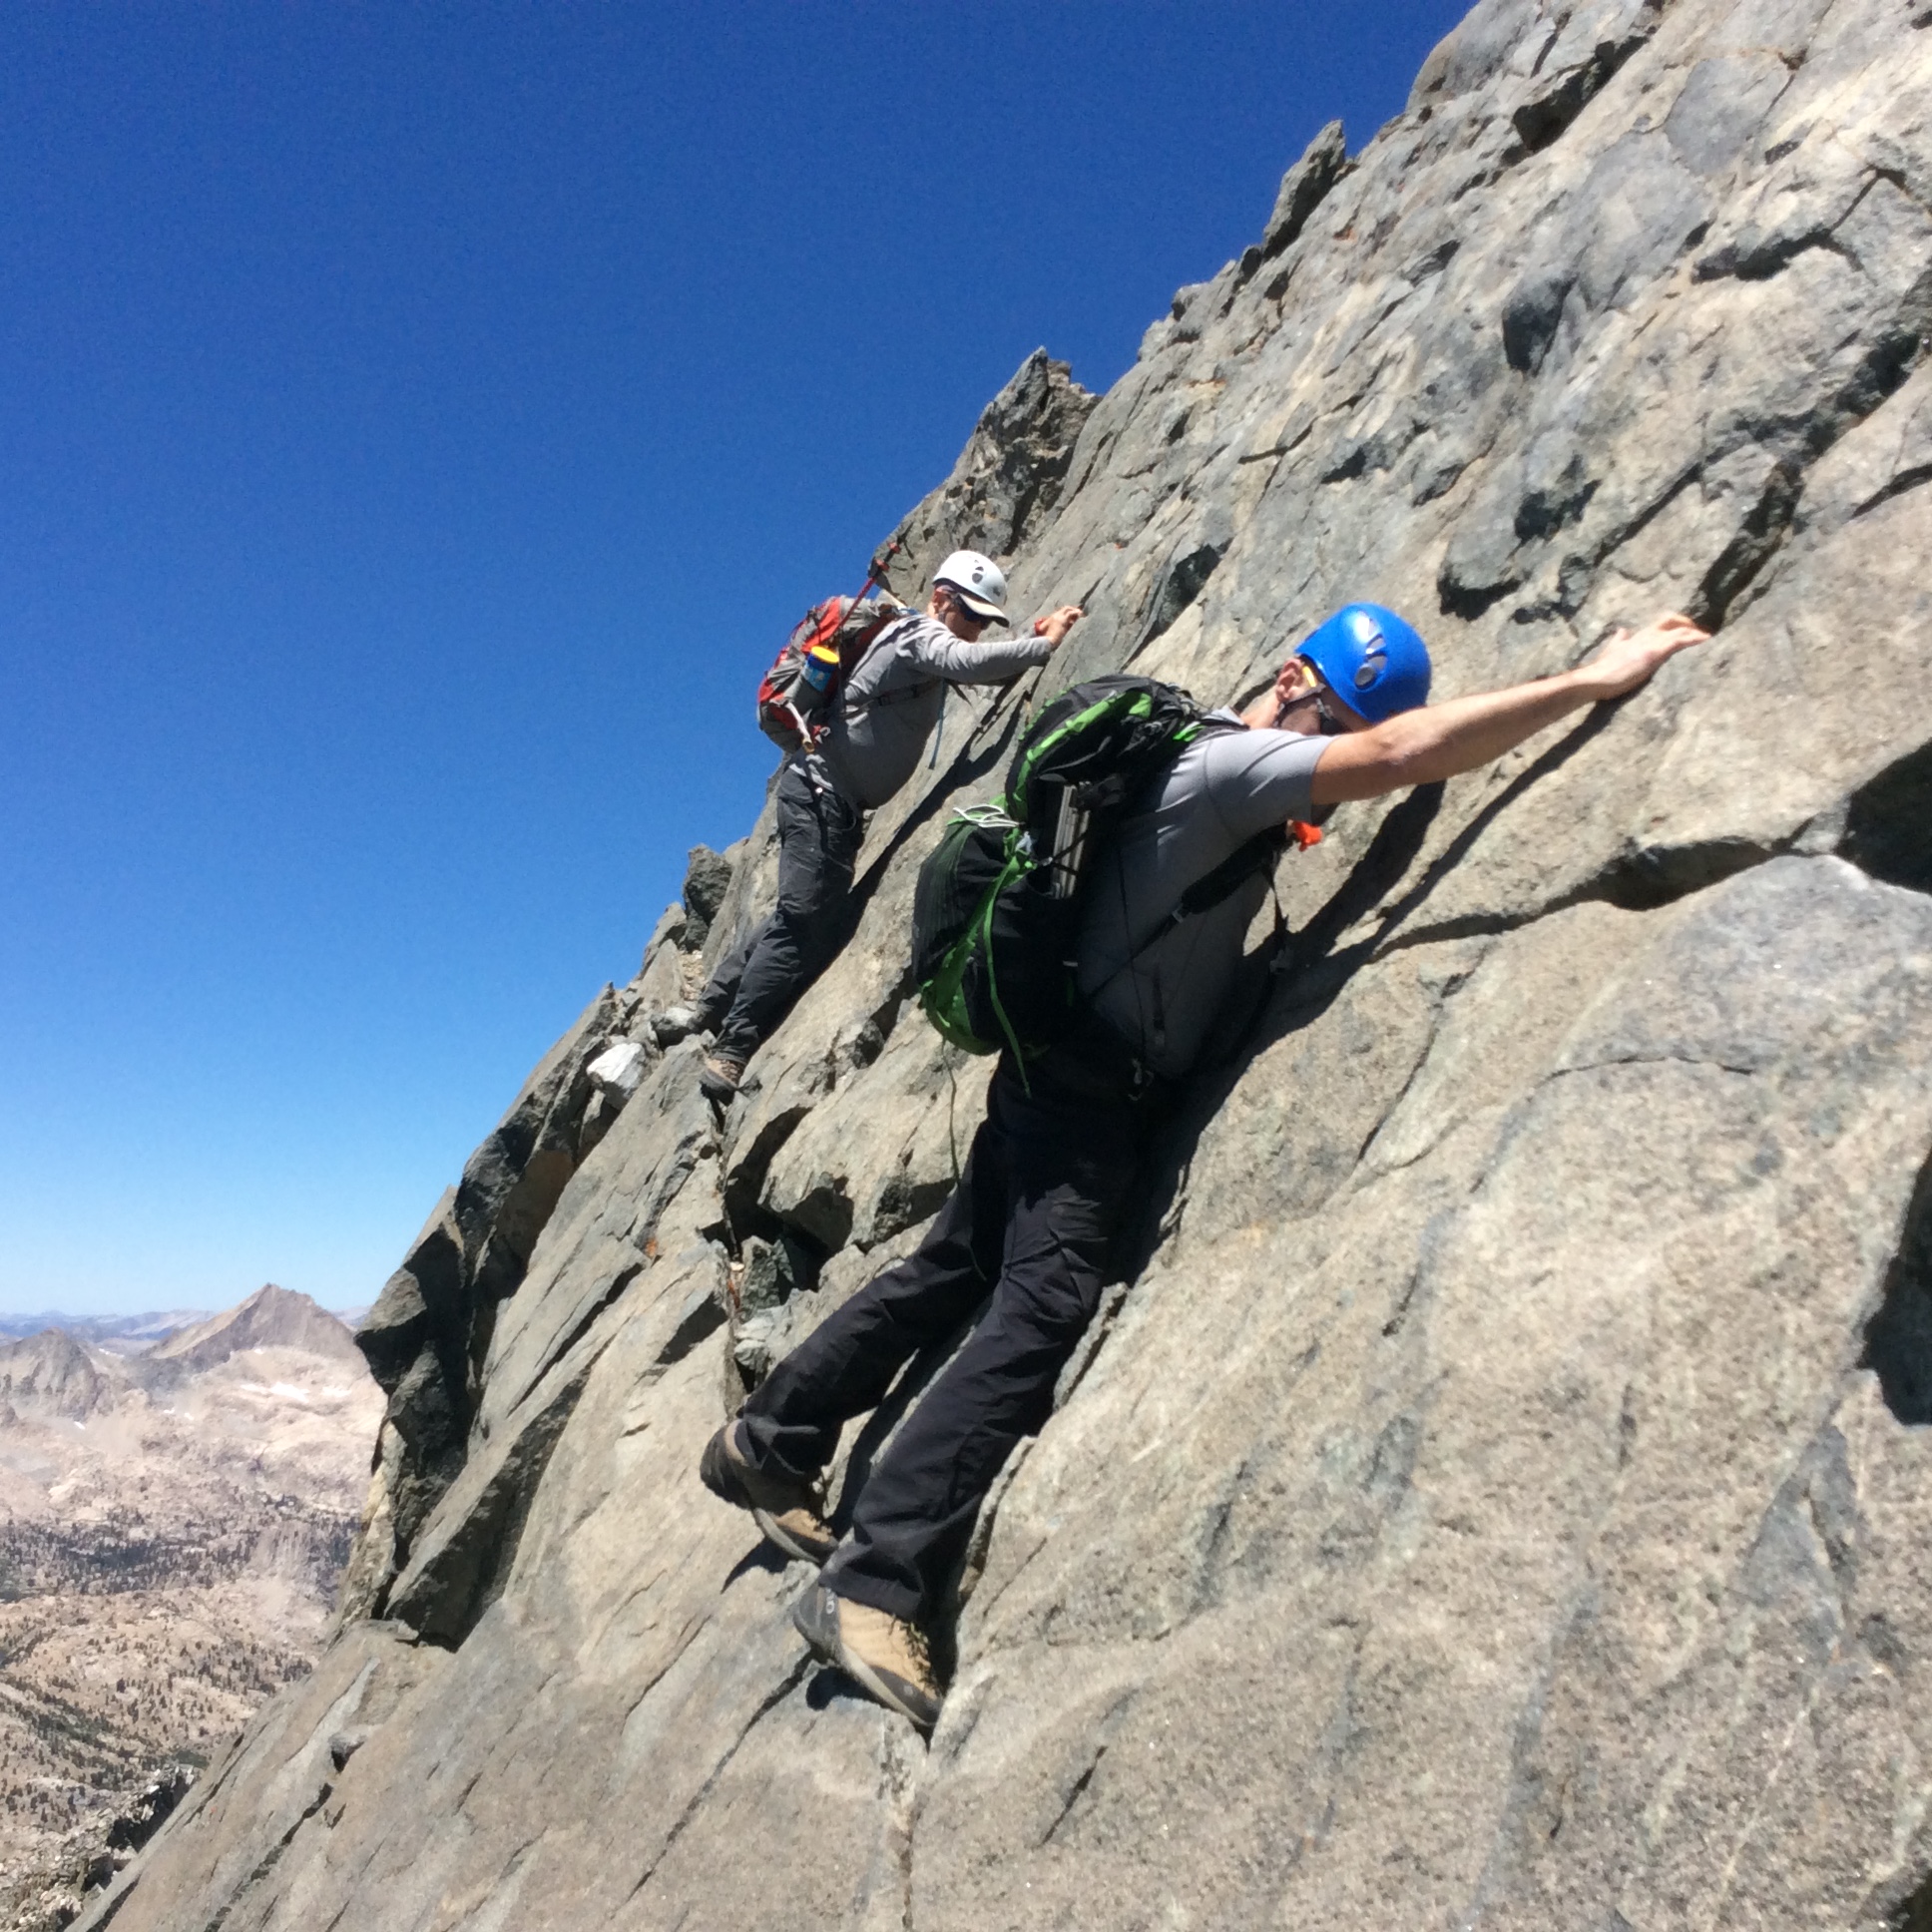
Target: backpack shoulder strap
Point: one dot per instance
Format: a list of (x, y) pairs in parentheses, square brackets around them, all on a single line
[(887, 697), (1242, 864)]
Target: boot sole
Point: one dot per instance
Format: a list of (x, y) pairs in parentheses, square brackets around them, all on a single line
[(879, 1684), (792, 1545), (722, 1477)]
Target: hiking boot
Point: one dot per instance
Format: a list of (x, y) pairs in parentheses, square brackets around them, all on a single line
[(718, 1077), (815, 1617), (783, 1507), (888, 1658)]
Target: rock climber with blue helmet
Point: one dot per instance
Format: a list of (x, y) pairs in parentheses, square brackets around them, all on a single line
[(1362, 677), (1052, 1170)]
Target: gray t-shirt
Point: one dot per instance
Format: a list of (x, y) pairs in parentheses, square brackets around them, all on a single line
[(891, 700), (1210, 801)]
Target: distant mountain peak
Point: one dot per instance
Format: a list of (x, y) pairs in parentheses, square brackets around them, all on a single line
[(52, 1373), (271, 1317)]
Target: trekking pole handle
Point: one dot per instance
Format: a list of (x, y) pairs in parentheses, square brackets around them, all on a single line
[(877, 575)]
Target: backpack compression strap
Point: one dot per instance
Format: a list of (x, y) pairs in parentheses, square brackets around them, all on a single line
[(1222, 882)]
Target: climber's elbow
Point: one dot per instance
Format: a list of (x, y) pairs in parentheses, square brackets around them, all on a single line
[(1369, 765)]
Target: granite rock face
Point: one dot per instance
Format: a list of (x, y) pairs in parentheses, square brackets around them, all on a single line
[(1500, 1490)]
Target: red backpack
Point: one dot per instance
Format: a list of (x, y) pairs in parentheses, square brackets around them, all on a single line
[(795, 697)]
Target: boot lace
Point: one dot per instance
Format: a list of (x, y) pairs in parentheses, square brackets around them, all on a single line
[(918, 1648)]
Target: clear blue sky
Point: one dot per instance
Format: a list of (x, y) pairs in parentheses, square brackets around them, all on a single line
[(418, 426)]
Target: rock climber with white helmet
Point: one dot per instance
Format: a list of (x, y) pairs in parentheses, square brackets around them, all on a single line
[(885, 710)]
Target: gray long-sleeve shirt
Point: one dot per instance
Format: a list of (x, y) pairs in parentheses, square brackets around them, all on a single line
[(890, 700), (1210, 801)]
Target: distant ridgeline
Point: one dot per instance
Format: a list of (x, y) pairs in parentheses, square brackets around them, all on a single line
[(135, 1331), (1498, 1490)]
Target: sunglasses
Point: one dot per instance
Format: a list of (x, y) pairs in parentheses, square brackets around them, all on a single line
[(964, 609), (1328, 724), (1331, 726)]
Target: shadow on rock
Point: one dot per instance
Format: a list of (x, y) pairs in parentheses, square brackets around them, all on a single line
[(763, 1557), (1898, 1339)]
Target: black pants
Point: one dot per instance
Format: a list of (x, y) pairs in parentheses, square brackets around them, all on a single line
[(1031, 1221), (819, 833)]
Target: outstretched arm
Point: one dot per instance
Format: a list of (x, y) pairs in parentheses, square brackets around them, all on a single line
[(937, 652), (998, 660), (1440, 740)]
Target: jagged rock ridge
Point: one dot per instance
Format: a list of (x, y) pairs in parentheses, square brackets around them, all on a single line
[(1499, 1492)]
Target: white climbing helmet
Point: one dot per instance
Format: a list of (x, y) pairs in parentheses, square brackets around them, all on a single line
[(978, 582)]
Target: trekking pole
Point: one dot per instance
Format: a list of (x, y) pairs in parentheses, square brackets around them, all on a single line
[(875, 575)]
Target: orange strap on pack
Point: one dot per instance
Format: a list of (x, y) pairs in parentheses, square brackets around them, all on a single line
[(827, 627), (1303, 833)]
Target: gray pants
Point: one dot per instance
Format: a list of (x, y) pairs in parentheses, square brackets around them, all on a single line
[(819, 833)]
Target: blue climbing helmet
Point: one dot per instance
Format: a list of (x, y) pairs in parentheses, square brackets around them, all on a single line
[(1373, 661)]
